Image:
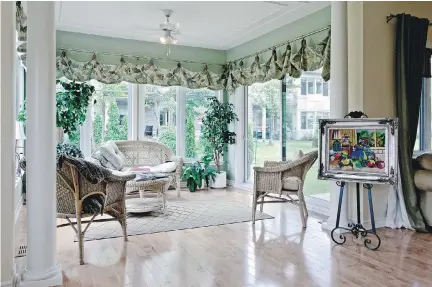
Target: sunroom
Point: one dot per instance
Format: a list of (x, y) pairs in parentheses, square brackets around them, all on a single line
[(162, 93)]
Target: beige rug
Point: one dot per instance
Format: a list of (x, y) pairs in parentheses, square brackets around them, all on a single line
[(185, 214)]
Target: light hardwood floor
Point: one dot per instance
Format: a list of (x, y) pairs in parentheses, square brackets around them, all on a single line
[(276, 252)]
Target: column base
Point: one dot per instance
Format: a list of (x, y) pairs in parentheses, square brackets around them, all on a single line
[(51, 277)]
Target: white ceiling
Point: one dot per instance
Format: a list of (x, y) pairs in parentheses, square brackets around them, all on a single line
[(206, 24)]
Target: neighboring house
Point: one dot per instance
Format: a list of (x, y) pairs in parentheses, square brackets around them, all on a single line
[(313, 103)]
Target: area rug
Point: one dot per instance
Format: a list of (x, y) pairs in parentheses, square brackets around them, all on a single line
[(180, 215)]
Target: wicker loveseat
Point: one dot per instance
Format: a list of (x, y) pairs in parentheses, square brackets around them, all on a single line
[(149, 153)]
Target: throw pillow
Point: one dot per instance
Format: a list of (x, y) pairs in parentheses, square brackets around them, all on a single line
[(425, 161), (97, 155), (164, 167), (111, 152)]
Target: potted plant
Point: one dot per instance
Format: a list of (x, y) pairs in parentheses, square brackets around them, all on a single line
[(215, 125), (199, 174), (209, 173), (193, 175), (72, 100)]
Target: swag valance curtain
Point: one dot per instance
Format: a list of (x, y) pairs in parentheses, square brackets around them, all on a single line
[(233, 75)]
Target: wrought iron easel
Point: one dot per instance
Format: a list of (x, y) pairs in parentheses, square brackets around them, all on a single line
[(356, 229)]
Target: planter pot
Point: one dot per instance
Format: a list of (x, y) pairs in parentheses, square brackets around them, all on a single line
[(220, 180)]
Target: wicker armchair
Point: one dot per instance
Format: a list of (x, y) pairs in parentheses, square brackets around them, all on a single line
[(72, 189), (149, 153), (282, 178)]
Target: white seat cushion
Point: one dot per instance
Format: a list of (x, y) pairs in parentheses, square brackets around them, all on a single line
[(291, 183), (164, 167)]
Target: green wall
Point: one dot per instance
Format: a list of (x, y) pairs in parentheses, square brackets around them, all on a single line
[(310, 23), (133, 47)]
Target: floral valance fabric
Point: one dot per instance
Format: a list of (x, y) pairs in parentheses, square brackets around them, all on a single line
[(234, 74)]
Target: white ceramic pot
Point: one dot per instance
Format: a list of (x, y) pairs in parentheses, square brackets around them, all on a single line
[(220, 180)]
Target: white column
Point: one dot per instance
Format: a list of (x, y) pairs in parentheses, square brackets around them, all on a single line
[(181, 121), (140, 112), (42, 267), (237, 161), (338, 97), (86, 132), (133, 112), (7, 136)]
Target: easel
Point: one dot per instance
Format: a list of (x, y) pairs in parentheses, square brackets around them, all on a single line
[(356, 229)]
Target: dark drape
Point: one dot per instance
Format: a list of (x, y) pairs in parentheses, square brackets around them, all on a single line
[(411, 37)]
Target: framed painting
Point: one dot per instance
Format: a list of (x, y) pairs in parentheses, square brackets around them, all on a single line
[(358, 150)]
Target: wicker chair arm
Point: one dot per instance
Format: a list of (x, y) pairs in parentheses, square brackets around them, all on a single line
[(287, 165), (120, 176)]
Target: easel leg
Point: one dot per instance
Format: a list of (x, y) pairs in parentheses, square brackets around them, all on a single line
[(342, 186), (358, 202), (341, 237), (367, 241)]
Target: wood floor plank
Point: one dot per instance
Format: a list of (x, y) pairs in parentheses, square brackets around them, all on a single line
[(274, 252)]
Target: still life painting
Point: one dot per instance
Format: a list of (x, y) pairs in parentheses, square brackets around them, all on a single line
[(358, 149)]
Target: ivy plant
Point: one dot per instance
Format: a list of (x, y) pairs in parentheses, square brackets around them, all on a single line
[(216, 120), (69, 149), (72, 100)]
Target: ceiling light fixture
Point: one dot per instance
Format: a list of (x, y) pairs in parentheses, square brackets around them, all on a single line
[(168, 39)]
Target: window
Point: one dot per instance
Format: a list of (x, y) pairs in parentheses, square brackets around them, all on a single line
[(303, 87), (263, 124), (196, 106), (310, 86), (424, 129), (325, 89), (303, 120), (160, 115), (318, 86), (109, 113)]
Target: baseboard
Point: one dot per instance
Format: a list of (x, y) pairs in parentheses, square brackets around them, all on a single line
[(18, 208), (230, 182), (378, 224), (6, 284)]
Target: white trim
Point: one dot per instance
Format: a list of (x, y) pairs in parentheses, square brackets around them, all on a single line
[(140, 111), (132, 111), (180, 121)]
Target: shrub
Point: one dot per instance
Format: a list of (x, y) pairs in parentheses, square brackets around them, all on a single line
[(167, 137)]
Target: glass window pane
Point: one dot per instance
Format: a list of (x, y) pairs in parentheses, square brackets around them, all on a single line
[(196, 106), (310, 86), (318, 86), (325, 89), (110, 112), (303, 87), (264, 124), (160, 115), (303, 114)]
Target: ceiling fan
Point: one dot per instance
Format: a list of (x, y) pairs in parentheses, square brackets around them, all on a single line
[(169, 29)]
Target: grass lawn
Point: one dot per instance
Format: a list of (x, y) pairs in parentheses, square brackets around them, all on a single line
[(264, 152)]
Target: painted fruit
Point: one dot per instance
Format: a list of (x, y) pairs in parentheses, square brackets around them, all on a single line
[(337, 156), (357, 164), (380, 164), (332, 158), (346, 161), (371, 163)]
